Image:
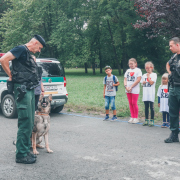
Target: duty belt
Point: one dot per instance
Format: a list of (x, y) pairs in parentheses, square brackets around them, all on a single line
[(176, 84)]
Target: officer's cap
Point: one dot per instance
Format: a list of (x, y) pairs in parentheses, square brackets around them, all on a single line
[(40, 39)]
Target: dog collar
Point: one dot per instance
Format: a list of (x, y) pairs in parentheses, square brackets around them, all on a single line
[(42, 114)]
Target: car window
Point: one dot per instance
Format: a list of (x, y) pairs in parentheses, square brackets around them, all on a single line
[(51, 69), (2, 72)]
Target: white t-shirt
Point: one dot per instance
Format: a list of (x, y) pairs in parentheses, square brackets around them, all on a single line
[(163, 94), (110, 89), (149, 90), (132, 75)]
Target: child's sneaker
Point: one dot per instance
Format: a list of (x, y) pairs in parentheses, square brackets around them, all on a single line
[(106, 118), (151, 123), (136, 120), (146, 123), (163, 125), (131, 120), (167, 125), (114, 118)]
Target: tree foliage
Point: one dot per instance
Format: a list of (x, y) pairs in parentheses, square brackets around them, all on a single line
[(81, 32), (160, 17)]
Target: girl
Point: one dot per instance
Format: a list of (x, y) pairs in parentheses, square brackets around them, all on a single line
[(163, 100), (132, 78), (148, 82)]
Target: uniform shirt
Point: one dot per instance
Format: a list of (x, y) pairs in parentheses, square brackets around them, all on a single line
[(132, 75), (176, 62), (20, 53), (163, 94), (110, 89), (149, 90)]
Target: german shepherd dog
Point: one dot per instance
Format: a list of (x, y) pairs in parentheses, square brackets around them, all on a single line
[(42, 124)]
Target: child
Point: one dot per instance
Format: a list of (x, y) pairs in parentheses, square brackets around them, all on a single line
[(149, 81), (163, 100), (132, 78), (110, 83)]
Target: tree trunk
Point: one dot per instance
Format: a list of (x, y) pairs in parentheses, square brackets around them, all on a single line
[(85, 65), (93, 67), (124, 53), (100, 61), (116, 58)]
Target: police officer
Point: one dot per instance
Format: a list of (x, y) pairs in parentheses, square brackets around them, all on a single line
[(24, 76), (173, 68)]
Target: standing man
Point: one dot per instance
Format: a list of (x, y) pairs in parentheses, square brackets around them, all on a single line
[(24, 76), (173, 68)]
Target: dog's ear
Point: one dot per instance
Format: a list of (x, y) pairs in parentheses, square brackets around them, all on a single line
[(50, 97), (41, 96)]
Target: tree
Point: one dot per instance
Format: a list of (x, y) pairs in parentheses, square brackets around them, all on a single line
[(4, 5), (58, 22), (160, 17)]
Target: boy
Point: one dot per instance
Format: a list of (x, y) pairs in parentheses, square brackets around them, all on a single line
[(110, 85)]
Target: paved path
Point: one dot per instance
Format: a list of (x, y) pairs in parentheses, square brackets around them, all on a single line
[(87, 148)]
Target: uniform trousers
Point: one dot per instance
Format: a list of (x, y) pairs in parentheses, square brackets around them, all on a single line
[(25, 110), (174, 105)]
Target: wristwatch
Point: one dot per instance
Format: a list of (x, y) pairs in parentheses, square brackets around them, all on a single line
[(125, 86)]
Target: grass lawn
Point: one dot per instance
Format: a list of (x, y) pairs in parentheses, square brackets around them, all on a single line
[(85, 93)]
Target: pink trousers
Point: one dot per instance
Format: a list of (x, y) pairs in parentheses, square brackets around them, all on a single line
[(133, 98)]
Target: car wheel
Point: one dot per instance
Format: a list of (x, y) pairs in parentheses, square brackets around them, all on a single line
[(57, 109), (8, 106)]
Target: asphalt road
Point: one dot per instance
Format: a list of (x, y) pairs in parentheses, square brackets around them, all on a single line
[(87, 148)]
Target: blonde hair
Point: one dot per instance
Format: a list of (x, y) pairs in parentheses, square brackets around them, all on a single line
[(149, 63), (133, 60), (165, 75)]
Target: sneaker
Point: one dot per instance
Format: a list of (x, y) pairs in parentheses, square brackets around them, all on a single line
[(163, 125), (167, 125), (131, 120), (26, 160), (114, 118), (151, 124), (106, 118), (136, 120), (146, 123)]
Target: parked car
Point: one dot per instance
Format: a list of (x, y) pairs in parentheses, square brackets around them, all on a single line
[(53, 80)]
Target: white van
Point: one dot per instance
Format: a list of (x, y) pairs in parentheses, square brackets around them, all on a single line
[(54, 83)]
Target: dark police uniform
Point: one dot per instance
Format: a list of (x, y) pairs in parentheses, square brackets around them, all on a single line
[(24, 72), (174, 97)]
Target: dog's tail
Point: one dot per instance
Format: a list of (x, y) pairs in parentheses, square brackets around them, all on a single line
[(14, 142)]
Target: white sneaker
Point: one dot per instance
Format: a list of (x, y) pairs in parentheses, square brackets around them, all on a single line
[(131, 120), (136, 120)]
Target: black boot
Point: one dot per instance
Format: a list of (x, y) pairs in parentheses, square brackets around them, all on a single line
[(172, 138), (26, 160)]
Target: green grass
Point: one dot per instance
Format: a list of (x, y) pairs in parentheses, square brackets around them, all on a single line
[(85, 93)]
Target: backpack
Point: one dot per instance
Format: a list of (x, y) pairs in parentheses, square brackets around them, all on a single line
[(114, 82)]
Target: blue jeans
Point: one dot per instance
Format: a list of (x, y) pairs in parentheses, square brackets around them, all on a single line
[(111, 100)]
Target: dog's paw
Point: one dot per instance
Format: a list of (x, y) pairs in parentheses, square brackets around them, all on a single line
[(49, 151), (35, 152), (40, 146)]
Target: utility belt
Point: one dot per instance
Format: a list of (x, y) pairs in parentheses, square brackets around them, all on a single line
[(176, 84), (173, 85), (22, 88)]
